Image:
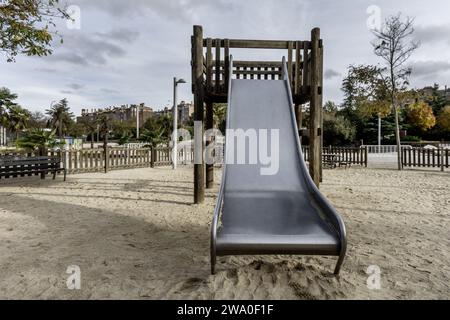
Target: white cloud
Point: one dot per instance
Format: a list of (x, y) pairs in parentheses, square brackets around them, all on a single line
[(129, 51)]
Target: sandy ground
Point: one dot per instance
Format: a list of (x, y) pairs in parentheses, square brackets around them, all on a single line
[(136, 235)]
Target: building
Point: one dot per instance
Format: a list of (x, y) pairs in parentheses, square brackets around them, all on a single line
[(125, 113), (185, 112), (442, 92), (164, 113)]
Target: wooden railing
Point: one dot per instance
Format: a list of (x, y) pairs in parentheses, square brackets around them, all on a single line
[(216, 65), (356, 156), (93, 160), (423, 157)]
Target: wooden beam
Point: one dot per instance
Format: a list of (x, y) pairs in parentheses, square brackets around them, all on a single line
[(197, 71), (315, 108), (257, 44)]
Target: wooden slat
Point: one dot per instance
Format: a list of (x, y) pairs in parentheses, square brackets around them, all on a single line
[(218, 72), (209, 64), (227, 63), (298, 59), (289, 62)]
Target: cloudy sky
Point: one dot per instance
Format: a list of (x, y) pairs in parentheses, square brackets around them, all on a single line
[(129, 51)]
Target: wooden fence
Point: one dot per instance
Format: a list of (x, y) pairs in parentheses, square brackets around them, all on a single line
[(425, 158), (356, 156), (93, 160)]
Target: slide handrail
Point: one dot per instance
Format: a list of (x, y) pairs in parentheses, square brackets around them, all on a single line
[(332, 215), (219, 202)]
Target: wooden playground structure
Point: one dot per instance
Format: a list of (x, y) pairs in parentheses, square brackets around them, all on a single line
[(210, 77)]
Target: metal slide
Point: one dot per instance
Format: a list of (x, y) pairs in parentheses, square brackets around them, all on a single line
[(284, 213)]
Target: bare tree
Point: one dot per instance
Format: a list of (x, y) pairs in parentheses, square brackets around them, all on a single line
[(394, 45)]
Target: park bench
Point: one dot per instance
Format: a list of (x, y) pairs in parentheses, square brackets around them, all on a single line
[(13, 167)]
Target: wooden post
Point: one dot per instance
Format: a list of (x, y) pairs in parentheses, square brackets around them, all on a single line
[(106, 152), (315, 108), (298, 87), (228, 72), (209, 66), (198, 90), (209, 141), (321, 107), (152, 157), (366, 155)]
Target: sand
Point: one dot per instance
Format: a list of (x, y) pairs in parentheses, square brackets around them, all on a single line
[(135, 235)]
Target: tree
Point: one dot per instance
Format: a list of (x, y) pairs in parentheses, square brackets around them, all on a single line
[(37, 120), (337, 130), (330, 106), (124, 130), (437, 101), (39, 140), (444, 119), (393, 45), (76, 130), (90, 126), (6, 100), (17, 119), (220, 116), (60, 117), (25, 27), (155, 132), (421, 115), (365, 96), (366, 91), (152, 137)]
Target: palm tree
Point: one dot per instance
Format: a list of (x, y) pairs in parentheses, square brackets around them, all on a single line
[(6, 100), (157, 131), (60, 117), (153, 137), (90, 126), (38, 140), (17, 119)]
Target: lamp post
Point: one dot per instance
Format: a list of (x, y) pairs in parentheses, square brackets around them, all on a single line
[(137, 122), (176, 82)]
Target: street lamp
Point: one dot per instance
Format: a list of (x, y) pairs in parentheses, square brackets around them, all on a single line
[(176, 82), (137, 122)]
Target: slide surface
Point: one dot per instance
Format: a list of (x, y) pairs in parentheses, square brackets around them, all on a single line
[(278, 213)]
